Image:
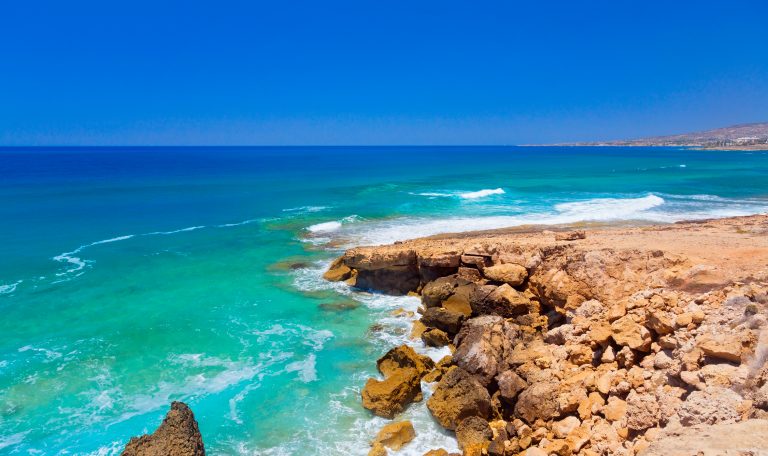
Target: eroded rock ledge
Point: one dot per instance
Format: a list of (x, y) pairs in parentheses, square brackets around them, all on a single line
[(596, 343)]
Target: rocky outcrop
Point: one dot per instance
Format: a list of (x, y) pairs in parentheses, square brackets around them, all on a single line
[(402, 369), (598, 344), (178, 435)]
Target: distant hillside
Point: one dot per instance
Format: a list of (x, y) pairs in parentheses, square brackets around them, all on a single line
[(744, 136)]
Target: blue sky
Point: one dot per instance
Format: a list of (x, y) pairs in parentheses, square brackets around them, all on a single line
[(376, 72)]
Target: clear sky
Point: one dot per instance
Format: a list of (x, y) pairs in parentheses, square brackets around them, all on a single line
[(376, 72)]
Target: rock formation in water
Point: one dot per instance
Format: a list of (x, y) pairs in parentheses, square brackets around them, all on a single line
[(610, 342), (178, 435)]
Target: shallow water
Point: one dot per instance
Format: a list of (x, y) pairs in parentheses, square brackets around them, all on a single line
[(133, 277)]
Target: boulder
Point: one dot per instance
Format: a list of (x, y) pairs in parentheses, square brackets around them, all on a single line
[(435, 338), (434, 293), (723, 346), (482, 345), (404, 357), (711, 406), (503, 301), (512, 274), (459, 300), (627, 332), (178, 435), (510, 385), (458, 396), (538, 401), (473, 431), (437, 317), (395, 435), (388, 397), (438, 452), (642, 411)]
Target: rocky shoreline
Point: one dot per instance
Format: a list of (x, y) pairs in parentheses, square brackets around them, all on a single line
[(611, 341)]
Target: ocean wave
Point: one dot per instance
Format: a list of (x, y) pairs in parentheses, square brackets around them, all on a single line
[(651, 208), (463, 194), (306, 368), (482, 193), (13, 439), (327, 227)]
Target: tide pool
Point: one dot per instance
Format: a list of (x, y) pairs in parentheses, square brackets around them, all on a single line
[(131, 277)]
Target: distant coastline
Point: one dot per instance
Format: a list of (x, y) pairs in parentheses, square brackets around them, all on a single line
[(744, 137)]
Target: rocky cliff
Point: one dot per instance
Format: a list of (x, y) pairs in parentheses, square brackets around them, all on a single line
[(605, 342)]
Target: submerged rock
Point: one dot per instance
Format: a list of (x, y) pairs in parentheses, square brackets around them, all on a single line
[(178, 435)]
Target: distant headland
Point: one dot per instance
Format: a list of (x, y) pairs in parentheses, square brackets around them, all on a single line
[(752, 136)]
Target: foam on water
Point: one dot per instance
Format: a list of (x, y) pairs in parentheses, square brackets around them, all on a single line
[(463, 194), (10, 288)]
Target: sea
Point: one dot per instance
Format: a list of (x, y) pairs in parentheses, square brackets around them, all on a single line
[(133, 277)]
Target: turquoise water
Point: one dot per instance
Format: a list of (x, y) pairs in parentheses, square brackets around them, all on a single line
[(133, 277)]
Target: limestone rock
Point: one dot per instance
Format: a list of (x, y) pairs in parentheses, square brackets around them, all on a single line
[(434, 293), (473, 431), (404, 356), (711, 406), (723, 346), (178, 435), (503, 301), (437, 317), (395, 435), (744, 438), (377, 450), (510, 385), (565, 426), (435, 338), (438, 452), (630, 334), (338, 271), (482, 345), (512, 274), (642, 411), (458, 396), (538, 401), (390, 396)]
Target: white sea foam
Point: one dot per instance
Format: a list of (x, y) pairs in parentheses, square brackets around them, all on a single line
[(607, 208), (328, 227), (306, 368), (181, 230), (12, 439), (482, 193), (10, 288)]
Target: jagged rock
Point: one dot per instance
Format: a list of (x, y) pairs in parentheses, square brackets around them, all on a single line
[(711, 406), (437, 317), (435, 338), (459, 301), (338, 271), (473, 431), (401, 357), (178, 435), (388, 397), (538, 401), (434, 293), (630, 334), (510, 385), (482, 345), (725, 346), (565, 426), (395, 435), (503, 301), (458, 396), (512, 274), (642, 411)]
